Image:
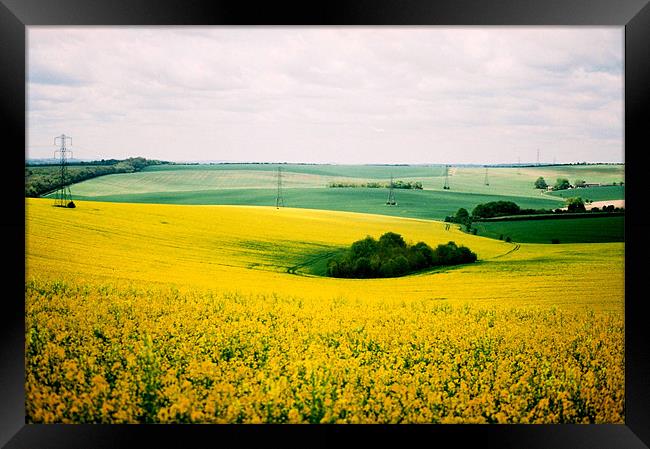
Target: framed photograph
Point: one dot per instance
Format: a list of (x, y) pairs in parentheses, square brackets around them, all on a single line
[(250, 224)]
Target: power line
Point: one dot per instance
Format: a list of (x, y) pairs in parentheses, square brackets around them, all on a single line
[(391, 194), (486, 182), (279, 199), (446, 186), (62, 196)]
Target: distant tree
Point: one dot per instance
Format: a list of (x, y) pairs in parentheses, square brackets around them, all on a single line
[(579, 183), (47, 178), (463, 217), (540, 183), (575, 204), (495, 209), (562, 184)]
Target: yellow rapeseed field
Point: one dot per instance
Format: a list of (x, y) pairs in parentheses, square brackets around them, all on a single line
[(165, 313)]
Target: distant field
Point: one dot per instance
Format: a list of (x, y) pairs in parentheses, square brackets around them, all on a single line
[(351, 171), (590, 173), (41, 180), (593, 193), (577, 230), (520, 182), (410, 203), (177, 178), (305, 186)]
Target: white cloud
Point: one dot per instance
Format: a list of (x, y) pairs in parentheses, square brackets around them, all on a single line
[(358, 95)]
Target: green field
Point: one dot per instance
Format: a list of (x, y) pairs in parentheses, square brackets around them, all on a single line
[(570, 230), (411, 203), (593, 193), (472, 175), (182, 178), (305, 186)]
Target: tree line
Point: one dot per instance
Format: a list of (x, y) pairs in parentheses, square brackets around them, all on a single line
[(399, 184), (494, 209), (564, 184), (42, 179)]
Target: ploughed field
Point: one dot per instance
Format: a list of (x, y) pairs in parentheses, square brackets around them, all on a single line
[(176, 313), (305, 186)]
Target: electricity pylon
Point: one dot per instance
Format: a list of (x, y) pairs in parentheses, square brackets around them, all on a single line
[(62, 196)]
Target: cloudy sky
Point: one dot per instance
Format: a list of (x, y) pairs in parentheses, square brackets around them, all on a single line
[(330, 94)]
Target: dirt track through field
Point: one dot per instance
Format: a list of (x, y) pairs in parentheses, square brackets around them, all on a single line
[(515, 248)]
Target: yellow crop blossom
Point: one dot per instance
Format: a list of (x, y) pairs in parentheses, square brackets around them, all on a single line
[(440, 365), (198, 320)]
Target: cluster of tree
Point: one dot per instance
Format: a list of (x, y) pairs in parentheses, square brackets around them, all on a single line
[(540, 183), (462, 217), (391, 256), (575, 205), (495, 209), (376, 185), (563, 184), (43, 179), (399, 184), (489, 210), (560, 183), (371, 185), (100, 162), (485, 210)]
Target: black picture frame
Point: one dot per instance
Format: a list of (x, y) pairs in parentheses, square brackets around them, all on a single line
[(634, 15)]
